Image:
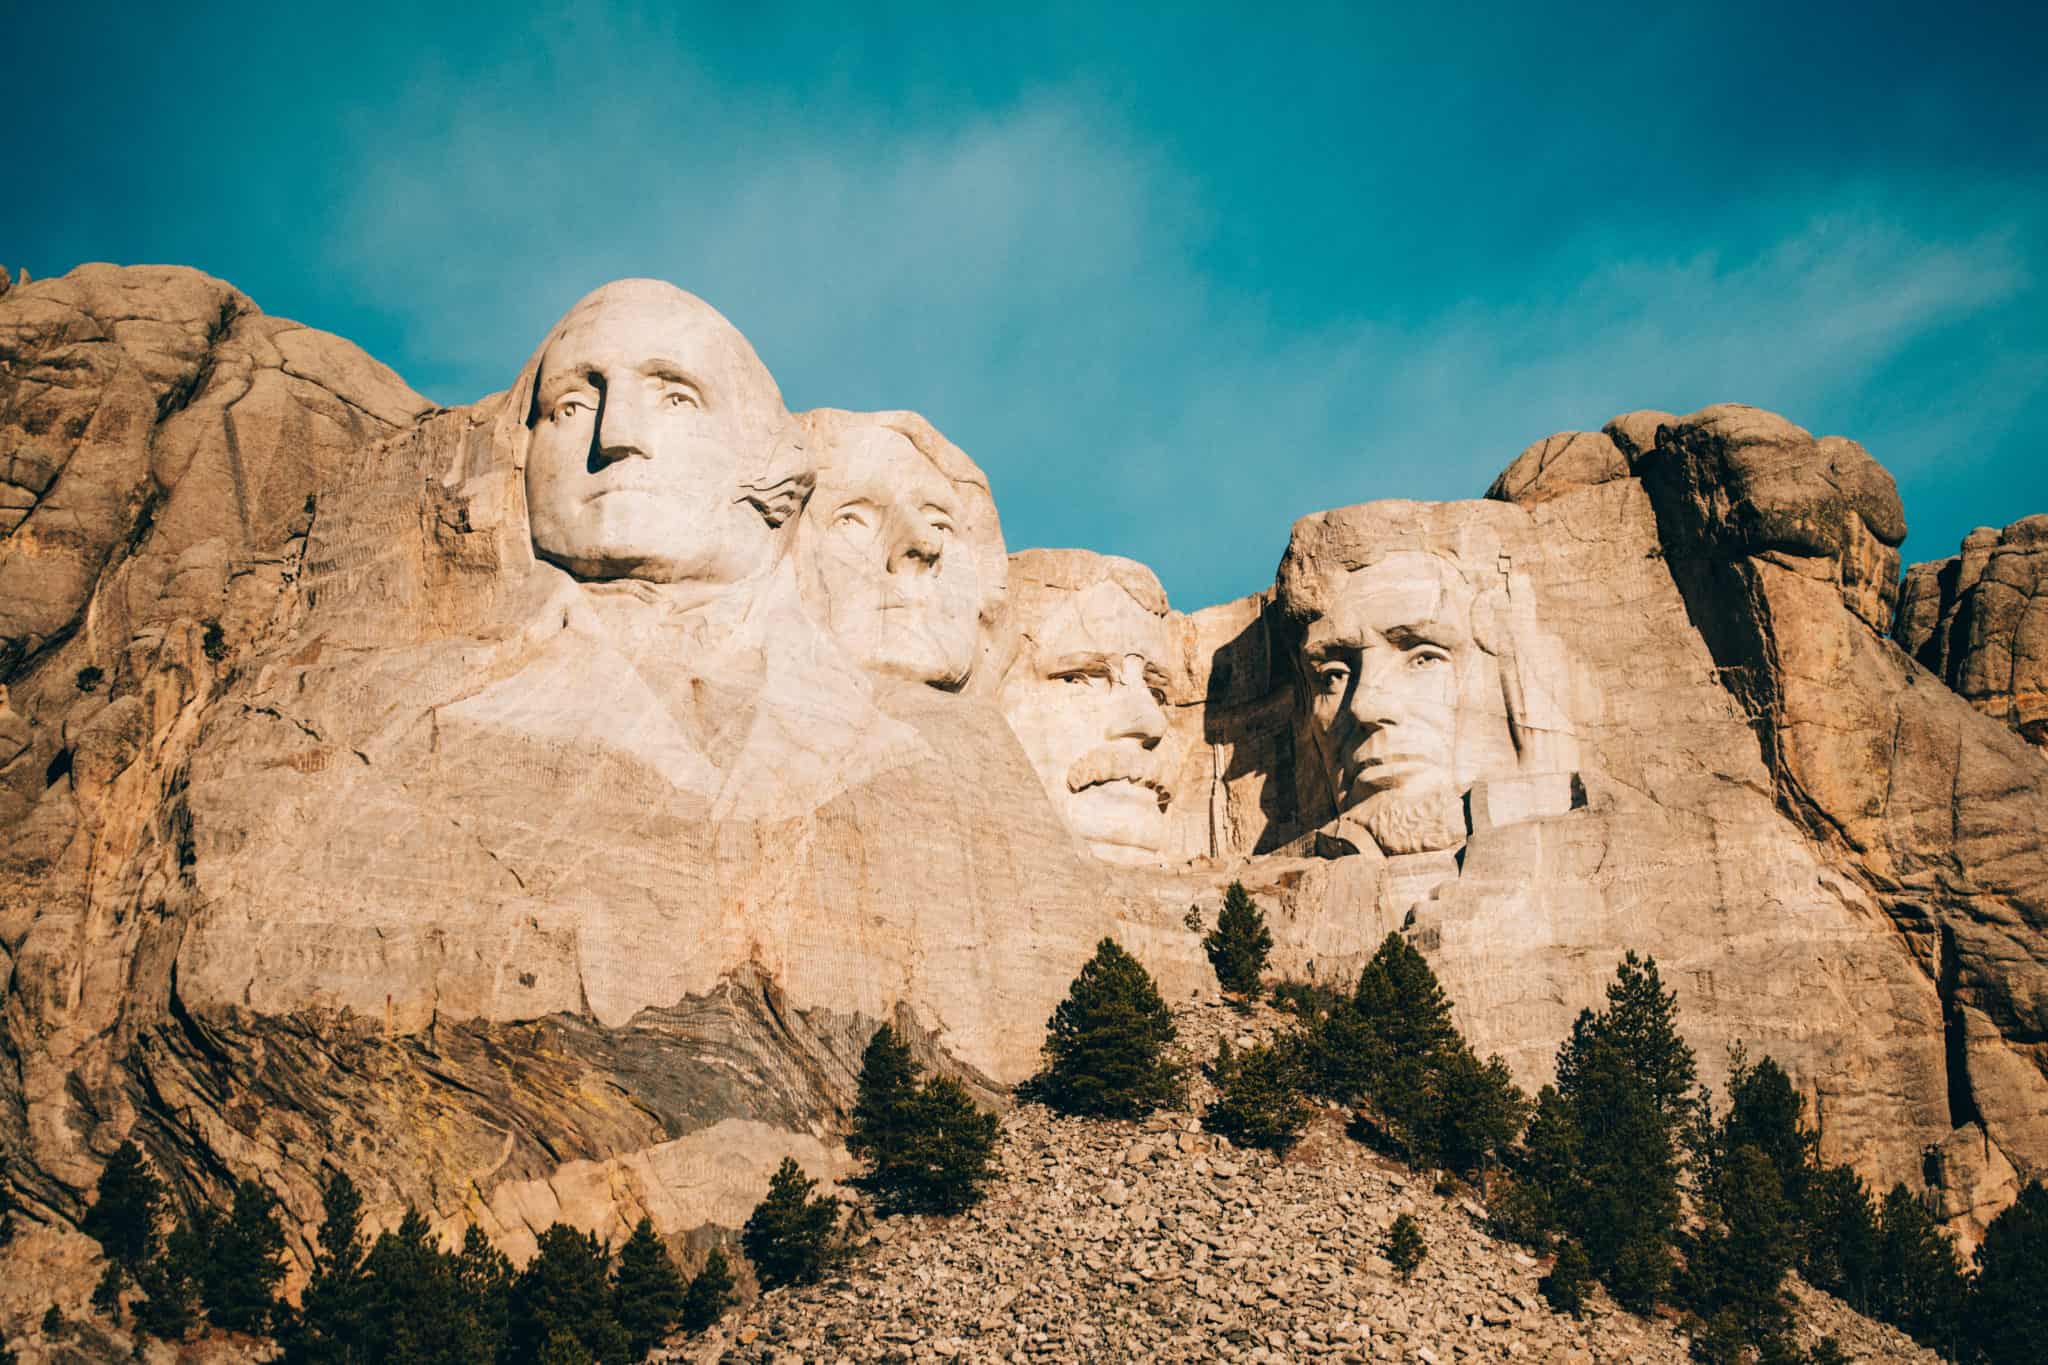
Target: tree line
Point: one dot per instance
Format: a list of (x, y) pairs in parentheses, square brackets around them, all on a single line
[(1621, 1170)]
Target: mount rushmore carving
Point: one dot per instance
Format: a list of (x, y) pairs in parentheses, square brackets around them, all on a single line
[(533, 807)]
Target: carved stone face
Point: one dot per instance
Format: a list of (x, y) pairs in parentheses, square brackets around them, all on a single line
[(649, 412), (1085, 697), (1401, 699), (886, 560)]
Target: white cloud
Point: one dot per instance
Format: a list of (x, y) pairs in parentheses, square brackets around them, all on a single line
[(1033, 281)]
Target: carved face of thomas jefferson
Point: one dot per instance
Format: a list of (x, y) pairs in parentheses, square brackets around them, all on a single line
[(888, 548), (649, 413), (1085, 696)]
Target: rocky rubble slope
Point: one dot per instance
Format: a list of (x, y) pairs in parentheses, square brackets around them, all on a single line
[(1156, 1241)]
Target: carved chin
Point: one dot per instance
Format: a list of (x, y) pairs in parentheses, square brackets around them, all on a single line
[(1420, 818), (1121, 822)]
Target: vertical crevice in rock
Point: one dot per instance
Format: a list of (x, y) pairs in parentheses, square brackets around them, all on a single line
[(1962, 1102)]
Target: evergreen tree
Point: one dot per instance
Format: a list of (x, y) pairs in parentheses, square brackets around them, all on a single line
[(562, 1302), (1477, 1109), (930, 1148), (1604, 1143), (951, 1152), (106, 1294), (412, 1308), (1394, 1048), (1839, 1251), (1767, 1113), (330, 1319), (243, 1261), (709, 1293), (883, 1101), (2009, 1301), (647, 1293), (127, 1210), (1736, 1260), (1919, 1285), (483, 1290), (1240, 943), (1404, 1248), (1569, 1282), (1259, 1104), (789, 1234), (1106, 1043), (170, 1282)]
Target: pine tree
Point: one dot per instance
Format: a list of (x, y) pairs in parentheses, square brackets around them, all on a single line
[(709, 1293), (1569, 1282), (1259, 1101), (483, 1294), (788, 1236), (930, 1148), (244, 1261), (106, 1294), (2009, 1301), (1737, 1259), (1839, 1248), (1603, 1146), (1919, 1285), (1394, 1048), (1106, 1043), (1240, 943), (413, 1308), (170, 1282), (882, 1104), (1404, 1248), (1767, 1113), (127, 1210), (330, 1319), (950, 1156), (565, 1290), (1476, 1110), (647, 1293)]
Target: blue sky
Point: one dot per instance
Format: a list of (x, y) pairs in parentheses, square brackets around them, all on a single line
[(1173, 276)]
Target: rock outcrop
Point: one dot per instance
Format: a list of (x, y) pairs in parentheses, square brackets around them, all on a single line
[(533, 808), (1978, 620)]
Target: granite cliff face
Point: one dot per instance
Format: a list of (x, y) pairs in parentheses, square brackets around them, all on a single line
[(533, 807)]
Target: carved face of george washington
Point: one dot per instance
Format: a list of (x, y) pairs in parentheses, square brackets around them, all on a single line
[(649, 414)]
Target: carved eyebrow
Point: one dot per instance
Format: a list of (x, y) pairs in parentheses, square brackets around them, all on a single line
[(659, 367), (1437, 633), (1155, 675), (1073, 663)]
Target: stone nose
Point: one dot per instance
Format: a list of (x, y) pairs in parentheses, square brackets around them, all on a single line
[(1136, 713), (915, 545), (622, 415)]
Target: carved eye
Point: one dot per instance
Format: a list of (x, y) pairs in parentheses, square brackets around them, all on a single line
[(569, 405), (1158, 694), (1428, 658), (680, 398), (851, 516), (1333, 677), (1078, 677)]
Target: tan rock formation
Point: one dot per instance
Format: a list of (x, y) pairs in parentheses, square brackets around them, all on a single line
[(535, 807), (1979, 622)]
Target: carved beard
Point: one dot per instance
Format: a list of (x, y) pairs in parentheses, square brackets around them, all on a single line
[(1421, 818)]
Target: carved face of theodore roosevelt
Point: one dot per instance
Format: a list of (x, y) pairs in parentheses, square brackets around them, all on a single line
[(1085, 697), (1402, 699), (893, 555), (650, 411)]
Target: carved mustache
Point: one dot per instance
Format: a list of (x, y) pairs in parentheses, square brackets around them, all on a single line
[(1113, 763)]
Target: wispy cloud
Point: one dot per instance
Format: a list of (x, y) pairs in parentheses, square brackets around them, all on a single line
[(1035, 280)]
